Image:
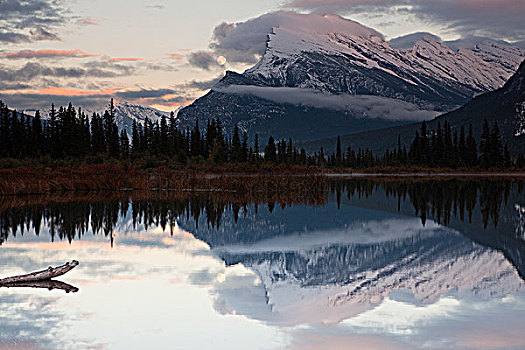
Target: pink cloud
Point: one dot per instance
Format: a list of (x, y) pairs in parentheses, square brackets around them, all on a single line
[(46, 53), (126, 59), (321, 3), (176, 56), (88, 21)]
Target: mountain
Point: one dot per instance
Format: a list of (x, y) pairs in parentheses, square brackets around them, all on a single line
[(321, 76), (125, 113), (505, 105)]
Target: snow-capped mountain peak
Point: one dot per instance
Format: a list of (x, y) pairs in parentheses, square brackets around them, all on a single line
[(308, 42), (125, 113)]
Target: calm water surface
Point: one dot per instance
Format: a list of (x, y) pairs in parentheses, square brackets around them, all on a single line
[(369, 265)]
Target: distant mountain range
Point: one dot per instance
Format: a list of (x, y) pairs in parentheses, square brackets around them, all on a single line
[(323, 76), (125, 113)]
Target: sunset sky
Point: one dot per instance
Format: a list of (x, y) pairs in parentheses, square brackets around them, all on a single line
[(167, 53)]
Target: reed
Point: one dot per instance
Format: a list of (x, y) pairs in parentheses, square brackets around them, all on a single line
[(17, 182)]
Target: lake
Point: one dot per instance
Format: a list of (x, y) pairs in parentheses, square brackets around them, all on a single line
[(368, 264)]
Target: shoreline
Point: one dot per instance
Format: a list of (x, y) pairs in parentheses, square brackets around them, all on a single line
[(115, 177), (429, 175)]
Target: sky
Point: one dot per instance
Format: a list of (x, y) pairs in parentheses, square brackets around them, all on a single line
[(167, 53)]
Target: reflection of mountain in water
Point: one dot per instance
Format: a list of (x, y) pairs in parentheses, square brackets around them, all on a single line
[(344, 262), (340, 280)]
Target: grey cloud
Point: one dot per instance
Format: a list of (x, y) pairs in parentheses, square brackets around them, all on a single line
[(15, 86), (14, 37), (144, 93), (497, 19), (365, 106), (42, 34), (222, 30), (204, 84), (157, 66), (31, 20), (157, 7), (178, 99), (520, 44), (203, 59), (35, 70), (245, 42)]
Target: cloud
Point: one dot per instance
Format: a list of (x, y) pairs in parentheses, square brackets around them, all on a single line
[(204, 84), (365, 106), (126, 59), (25, 54), (204, 60), (144, 93), (499, 19), (33, 70), (176, 56), (31, 20), (42, 34), (245, 42), (87, 21), (240, 42), (156, 7), (7, 37)]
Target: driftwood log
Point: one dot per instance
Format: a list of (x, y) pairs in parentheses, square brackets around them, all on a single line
[(42, 279)]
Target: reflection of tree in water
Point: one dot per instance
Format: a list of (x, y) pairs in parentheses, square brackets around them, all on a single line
[(69, 218)]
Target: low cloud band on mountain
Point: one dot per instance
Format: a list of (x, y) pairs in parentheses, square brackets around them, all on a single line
[(365, 106)]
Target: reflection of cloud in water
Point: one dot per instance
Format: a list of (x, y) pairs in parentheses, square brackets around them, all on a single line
[(133, 296)]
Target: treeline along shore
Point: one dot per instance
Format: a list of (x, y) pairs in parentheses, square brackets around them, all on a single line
[(68, 150), (69, 215)]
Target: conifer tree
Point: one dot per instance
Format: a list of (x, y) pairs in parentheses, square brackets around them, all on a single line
[(37, 137), (270, 151), (236, 153), (338, 152), (471, 150)]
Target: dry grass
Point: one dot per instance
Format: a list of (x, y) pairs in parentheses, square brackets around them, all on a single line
[(17, 182)]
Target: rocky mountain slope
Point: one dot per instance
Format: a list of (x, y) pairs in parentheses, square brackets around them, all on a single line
[(506, 105)]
